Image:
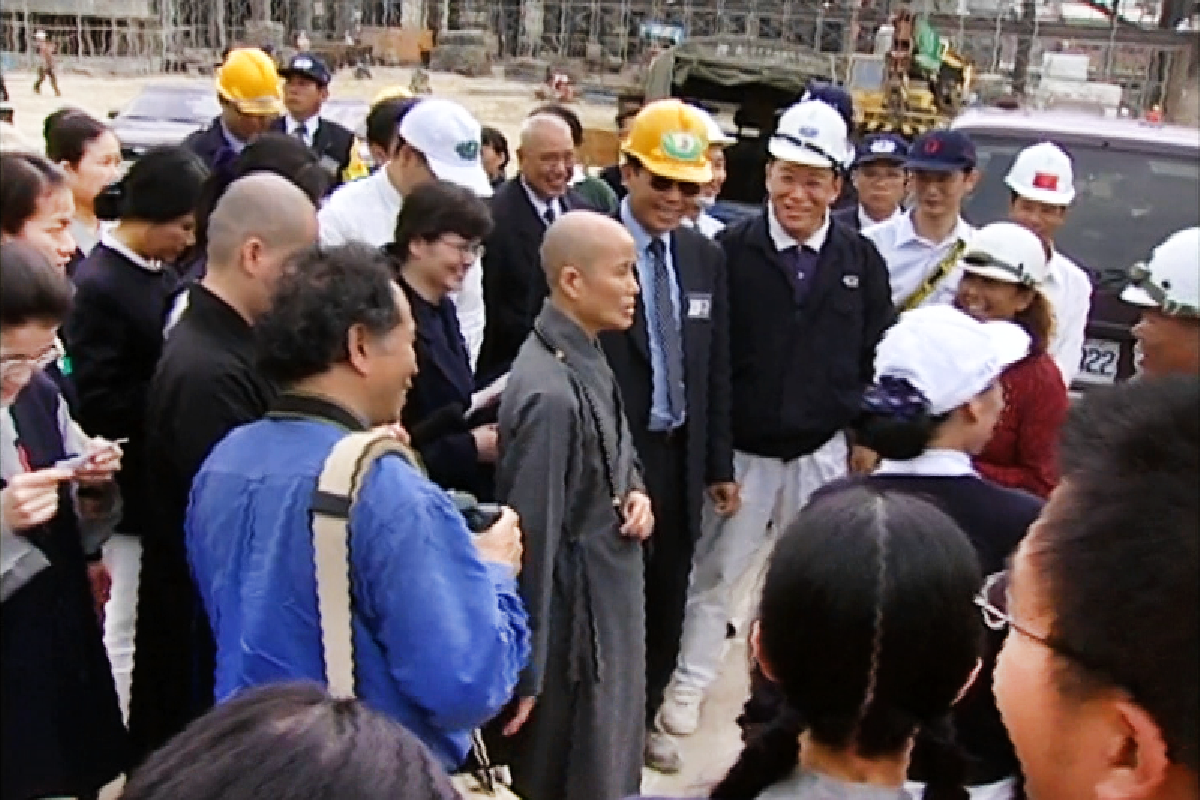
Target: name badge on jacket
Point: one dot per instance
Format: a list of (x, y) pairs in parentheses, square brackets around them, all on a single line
[(699, 305), (330, 165)]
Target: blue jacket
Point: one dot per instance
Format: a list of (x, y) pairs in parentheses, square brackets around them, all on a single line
[(440, 636)]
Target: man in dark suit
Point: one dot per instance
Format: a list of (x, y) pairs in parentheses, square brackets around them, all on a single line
[(522, 208), (305, 90), (248, 91), (612, 173), (672, 367), (878, 177)]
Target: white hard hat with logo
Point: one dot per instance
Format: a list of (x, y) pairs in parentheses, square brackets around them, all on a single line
[(811, 133), (1005, 251), (1170, 282), (1043, 173)]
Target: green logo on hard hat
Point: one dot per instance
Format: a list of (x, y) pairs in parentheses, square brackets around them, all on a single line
[(682, 146), (468, 150)]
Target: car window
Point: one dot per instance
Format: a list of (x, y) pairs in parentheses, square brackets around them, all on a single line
[(1126, 203), (174, 106), (351, 114)]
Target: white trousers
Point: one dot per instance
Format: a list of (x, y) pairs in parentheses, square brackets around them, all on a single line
[(772, 492), (123, 555)]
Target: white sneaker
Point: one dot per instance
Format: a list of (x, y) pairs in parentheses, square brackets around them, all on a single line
[(679, 714)]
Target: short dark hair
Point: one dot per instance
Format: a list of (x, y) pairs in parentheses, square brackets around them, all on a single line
[(68, 131), (436, 208), (25, 178), (291, 740), (1118, 557), (869, 627), (383, 121), (322, 294), (34, 289), (494, 139), (161, 186), (566, 115)]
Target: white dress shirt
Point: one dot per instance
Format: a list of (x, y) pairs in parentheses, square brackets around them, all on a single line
[(540, 205), (911, 258), (1069, 290), (310, 127), (365, 211), (865, 221), (783, 240), (934, 462)]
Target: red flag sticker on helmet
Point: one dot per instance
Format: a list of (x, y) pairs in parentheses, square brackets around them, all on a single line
[(1045, 180)]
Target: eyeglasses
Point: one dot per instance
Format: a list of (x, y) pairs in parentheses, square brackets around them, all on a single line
[(12, 366), (468, 249), (686, 188)]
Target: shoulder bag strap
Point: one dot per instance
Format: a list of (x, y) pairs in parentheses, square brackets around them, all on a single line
[(939, 274)]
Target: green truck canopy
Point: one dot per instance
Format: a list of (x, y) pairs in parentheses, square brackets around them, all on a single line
[(738, 62)]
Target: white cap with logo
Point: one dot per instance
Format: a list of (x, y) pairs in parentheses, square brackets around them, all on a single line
[(948, 356), (1171, 281), (450, 139), (1008, 252), (811, 133), (1043, 173)]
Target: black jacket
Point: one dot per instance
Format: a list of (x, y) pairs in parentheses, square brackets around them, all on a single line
[(612, 176), (114, 336), (210, 144), (205, 385), (513, 282), (848, 216), (798, 371), (333, 144), (700, 271)]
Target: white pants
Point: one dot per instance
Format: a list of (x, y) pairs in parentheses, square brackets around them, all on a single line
[(772, 492), (123, 555)]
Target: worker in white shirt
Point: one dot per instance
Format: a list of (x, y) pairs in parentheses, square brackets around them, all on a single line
[(1167, 290), (878, 177), (698, 217), (437, 139), (922, 246), (1042, 185)]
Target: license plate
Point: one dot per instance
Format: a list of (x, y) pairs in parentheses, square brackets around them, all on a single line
[(1099, 361)]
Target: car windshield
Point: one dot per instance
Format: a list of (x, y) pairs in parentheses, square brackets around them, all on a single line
[(1126, 202), (173, 106), (351, 114)]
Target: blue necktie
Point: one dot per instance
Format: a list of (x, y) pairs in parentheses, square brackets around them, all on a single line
[(802, 262), (663, 318)]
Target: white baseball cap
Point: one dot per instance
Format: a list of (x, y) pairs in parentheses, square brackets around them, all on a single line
[(811, 133), (1171, 281), (948, 356), (450, 139), (1043, 173), (1006, 251)]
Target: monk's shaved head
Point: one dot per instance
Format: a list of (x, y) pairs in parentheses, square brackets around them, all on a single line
[(262, 206), (544, 130), (580, 239)]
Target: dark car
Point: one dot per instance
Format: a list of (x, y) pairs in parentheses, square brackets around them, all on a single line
[(1135, 184), (163, 113)]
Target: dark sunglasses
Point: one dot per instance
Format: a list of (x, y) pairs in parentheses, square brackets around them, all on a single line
[(686, 188)]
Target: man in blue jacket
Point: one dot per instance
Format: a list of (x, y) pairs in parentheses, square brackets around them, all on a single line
[(440, 633)]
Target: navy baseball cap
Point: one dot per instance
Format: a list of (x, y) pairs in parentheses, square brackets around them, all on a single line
[(881, 147), (835, 96), (941, 151), (306, 65)]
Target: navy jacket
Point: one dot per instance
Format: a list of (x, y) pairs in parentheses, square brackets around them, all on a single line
[(798, 371), (847, 216), (333, 144), (210, 144)]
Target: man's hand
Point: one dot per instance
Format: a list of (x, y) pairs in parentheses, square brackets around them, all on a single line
[(520, 716), (102, 464), (101, 582), (726, 498), (31, 498), (639, 517), (487, 443), (863, 460), (501, 543)]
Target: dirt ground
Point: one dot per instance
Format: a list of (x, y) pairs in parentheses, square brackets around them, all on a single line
[(494, 101)]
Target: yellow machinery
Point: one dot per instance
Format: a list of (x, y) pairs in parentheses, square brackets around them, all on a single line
[(917, 83)]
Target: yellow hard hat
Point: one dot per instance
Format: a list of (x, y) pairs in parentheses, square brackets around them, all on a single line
[(391, 93), (670, 138), (249, 81)]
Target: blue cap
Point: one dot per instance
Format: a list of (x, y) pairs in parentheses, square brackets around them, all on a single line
[(881, 147), (834, 96), (941, 151), (306, 65)]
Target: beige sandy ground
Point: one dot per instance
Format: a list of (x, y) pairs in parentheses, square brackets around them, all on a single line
[(502, 104)]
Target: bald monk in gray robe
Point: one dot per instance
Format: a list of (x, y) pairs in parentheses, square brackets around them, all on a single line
[(568, 468)]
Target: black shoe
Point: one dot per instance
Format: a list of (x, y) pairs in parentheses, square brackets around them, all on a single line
[(730, 630)]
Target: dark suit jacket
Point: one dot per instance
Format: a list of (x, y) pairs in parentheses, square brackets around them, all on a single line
[(847, 216), (333, 144), (704, 306), (209, 143), (612, 176), (513, 282)]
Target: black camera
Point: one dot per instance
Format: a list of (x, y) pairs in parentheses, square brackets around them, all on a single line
[(479, 516)]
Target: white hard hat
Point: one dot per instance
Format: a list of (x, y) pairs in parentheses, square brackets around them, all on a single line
[(40, 35), (1171, 281), (716, 135), (811, 133), (1043, 173), (1005, 251)]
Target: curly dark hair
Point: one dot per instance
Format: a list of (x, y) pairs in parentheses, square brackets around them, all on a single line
[(324, 293), (436, 208)]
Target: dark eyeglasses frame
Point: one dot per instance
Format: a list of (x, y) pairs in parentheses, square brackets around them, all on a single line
[(660, 183)]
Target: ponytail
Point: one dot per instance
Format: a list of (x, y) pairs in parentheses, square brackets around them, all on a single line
[(769, 756), (896, 422), (943, 762)]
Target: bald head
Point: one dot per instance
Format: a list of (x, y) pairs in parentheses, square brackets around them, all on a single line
[(546, 155), (582, 239), (262, 206), (538, 129)]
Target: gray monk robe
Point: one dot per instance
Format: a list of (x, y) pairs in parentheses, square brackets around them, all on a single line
[(582, 581)]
